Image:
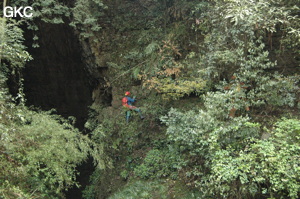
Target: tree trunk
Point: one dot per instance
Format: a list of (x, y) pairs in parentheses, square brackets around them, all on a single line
[(2, 31)]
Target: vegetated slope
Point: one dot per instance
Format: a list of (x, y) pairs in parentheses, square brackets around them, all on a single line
[(218, 83)]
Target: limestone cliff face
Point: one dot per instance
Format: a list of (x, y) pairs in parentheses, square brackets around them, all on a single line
[(120, 29), (60, 77), (71, 74)]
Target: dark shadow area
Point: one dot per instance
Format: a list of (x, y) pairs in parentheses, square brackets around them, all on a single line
[(56, 78)]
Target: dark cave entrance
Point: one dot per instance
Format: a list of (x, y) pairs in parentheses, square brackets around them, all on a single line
[(57, 79)]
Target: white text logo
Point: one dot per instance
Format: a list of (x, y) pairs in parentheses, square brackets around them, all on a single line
[(9, 11)]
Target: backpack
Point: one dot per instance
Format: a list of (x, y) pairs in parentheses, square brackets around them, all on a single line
[(124, 101)]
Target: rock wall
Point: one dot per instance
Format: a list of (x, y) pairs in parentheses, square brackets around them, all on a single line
[(57, 77)]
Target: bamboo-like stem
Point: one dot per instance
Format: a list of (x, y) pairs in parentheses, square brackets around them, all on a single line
[(2, 30)]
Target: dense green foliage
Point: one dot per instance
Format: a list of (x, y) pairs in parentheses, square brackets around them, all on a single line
[(39, 151), (218, 81), (155, 189), (12, 49), (143, 190), (266, 166), (239, 163), (229, 146), (85, 18), (161, 164)]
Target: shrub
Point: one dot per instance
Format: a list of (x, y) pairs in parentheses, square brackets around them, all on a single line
[(143, 190), (159, 164), (267, 167)]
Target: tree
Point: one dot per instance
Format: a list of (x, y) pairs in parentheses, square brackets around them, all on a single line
[(39, 151)]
